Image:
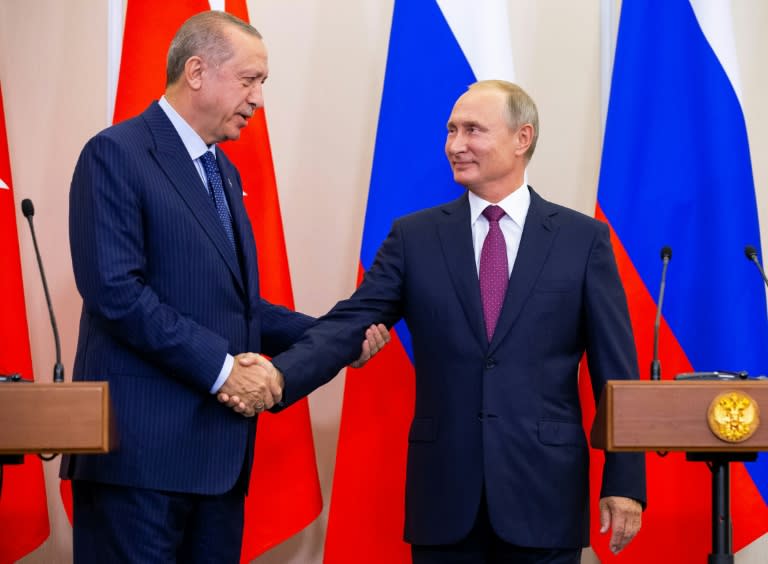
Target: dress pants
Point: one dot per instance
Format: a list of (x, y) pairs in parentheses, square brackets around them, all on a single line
[(119, 524), (483, 546)]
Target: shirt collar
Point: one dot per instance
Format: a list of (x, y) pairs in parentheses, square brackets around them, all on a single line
[(514, 205), (193, 143)]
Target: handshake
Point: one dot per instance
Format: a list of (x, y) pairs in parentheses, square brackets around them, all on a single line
[(254, 384)]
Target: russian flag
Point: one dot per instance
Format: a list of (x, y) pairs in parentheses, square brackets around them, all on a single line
[(676, 171), (436, 49)]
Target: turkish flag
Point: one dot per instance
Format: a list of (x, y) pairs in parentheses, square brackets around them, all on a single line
[(285, 451), (23, 508)]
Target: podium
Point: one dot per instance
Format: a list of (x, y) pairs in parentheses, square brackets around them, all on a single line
[(44, 418), (67, 417), (712, 421)]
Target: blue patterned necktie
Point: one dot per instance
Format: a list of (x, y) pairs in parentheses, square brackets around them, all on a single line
[(494, 270), (216, 189)]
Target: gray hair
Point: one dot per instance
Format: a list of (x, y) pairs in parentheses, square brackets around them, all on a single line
[(520, 107), (203, 35)]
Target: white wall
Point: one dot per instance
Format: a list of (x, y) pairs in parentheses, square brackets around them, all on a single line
[(327, 62)]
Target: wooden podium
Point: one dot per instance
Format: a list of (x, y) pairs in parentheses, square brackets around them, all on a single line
[(675, 416), (67, 417), (53, 418)]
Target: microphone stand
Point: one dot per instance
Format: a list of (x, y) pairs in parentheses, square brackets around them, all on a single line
[(666, 256), (58, 369)]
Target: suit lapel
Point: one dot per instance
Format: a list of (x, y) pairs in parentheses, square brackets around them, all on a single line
[(172, 157), (538, 234), (455, 234)]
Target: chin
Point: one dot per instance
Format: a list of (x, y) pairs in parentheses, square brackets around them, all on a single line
[(233, 135), (462, 179)]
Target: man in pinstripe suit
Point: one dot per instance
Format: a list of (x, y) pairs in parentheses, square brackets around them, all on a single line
[(164, 258)]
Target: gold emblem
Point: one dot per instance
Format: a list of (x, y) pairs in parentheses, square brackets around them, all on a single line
[(733, 416)]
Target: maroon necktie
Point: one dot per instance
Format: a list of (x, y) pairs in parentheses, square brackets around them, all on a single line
[(494, 269)]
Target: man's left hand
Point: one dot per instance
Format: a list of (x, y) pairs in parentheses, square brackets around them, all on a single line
[(376, 338), (623, 516)]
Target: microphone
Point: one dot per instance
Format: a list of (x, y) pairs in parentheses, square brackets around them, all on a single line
[(751, 253), (58, 370), (666, 256)]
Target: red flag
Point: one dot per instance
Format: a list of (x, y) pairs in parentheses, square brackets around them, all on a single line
[(147, 33), (23, 508), (368, 505), (677, 522), (286, 440)]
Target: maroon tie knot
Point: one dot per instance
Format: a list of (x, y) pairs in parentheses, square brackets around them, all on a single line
[(493, 213)]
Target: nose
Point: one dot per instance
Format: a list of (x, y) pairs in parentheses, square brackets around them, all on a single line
[(455, 143), (256, 96)]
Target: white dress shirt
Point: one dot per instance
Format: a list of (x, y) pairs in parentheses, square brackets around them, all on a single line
[(516, 208)]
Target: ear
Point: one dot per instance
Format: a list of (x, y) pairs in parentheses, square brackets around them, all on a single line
[(525, 138), (193, 72)]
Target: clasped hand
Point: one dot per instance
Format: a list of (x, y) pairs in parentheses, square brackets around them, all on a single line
[(255, 385)]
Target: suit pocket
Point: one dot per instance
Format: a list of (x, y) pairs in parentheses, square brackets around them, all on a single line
[(423, 430), (561, 433)]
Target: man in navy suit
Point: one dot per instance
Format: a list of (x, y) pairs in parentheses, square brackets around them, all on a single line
[(164, 258), (503, 293)]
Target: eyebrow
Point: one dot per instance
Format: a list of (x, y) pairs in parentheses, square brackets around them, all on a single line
[(465, 123)]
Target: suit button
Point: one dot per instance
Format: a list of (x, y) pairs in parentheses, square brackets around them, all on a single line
[(490, 363)]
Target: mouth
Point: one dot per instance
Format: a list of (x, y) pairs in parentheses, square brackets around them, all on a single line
[(245, 118)]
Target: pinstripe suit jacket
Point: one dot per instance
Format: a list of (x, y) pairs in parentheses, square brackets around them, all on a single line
[(165, 297)]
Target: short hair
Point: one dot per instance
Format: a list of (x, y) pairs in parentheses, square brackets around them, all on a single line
[(521, 108), (203, 35)]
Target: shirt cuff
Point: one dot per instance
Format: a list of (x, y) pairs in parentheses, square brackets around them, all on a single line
[(229, 362)]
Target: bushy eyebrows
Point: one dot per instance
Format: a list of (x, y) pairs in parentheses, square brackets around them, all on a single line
[(466, 124)]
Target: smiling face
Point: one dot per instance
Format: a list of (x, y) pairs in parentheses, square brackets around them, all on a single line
[(486, 153), (230, 91)]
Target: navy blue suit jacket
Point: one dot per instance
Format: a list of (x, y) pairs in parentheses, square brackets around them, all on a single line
[(503, 415), (165, 297)]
